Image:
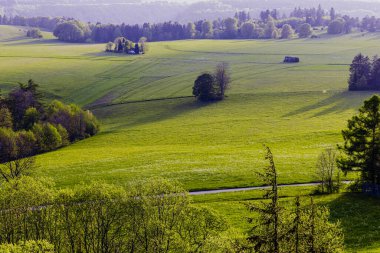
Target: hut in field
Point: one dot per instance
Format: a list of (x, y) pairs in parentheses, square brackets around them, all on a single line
[(291, 59)]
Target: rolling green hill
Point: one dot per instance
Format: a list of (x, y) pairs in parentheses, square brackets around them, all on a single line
[(150, 127), (298, 110)]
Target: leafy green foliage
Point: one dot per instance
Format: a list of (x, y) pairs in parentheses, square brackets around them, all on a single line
[(153, 216)]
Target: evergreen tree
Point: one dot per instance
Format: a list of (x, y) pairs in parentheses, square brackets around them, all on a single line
[(266, 235), (375, 73), (362, 142), (360, 71)]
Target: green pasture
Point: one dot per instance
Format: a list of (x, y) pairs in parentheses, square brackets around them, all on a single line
[(297, 109), (150, 127)]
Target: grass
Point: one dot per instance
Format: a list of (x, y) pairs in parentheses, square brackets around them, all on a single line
[(298, 110)]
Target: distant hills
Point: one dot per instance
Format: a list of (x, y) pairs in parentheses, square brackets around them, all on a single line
[(136, 11)]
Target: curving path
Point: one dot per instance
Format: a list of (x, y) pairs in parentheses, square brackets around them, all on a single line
[(195, 193)]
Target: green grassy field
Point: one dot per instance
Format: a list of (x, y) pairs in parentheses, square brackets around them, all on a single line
[(297, 110)]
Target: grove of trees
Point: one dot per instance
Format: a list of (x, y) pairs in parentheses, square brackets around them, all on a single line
[(29, 127)]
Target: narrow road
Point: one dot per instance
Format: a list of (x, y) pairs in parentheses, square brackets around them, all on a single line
[(196, 193)]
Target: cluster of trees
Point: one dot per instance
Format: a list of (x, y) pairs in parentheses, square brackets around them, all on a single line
[(302, 228), (211, 87), (72, 31), (28, 127), (151, 216), (123, 45), (34, 33), (271, 24), (364, 73)]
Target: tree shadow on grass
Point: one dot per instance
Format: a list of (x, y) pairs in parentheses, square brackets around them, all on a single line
[(146, 112), (360, 219), (338, 102)]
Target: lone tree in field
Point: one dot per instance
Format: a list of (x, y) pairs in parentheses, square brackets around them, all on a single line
[(209, 87), (362, 142)]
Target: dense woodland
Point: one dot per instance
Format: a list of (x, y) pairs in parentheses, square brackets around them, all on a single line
[(270, 25)]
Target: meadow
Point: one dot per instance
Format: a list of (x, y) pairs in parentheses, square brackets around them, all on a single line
[(151, 126)]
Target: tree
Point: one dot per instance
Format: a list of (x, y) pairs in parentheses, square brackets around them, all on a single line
[(360, 70), (143, 41), (222, 78), (305, 30), (375, 73), (361, 147), (287, 32), (110, 46), (247, 30), (137, 48), (269, 29), (231, 28), (332, 14), (336, 26), (266, 235), (190, 30), (207, 29), (205, 88), (327, 171)]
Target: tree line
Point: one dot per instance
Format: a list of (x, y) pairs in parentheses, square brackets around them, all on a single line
[(270, 25), (29, 127)]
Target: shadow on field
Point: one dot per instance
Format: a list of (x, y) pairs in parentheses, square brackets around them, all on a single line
[(145, 112), (360, 219), (338, 102)]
